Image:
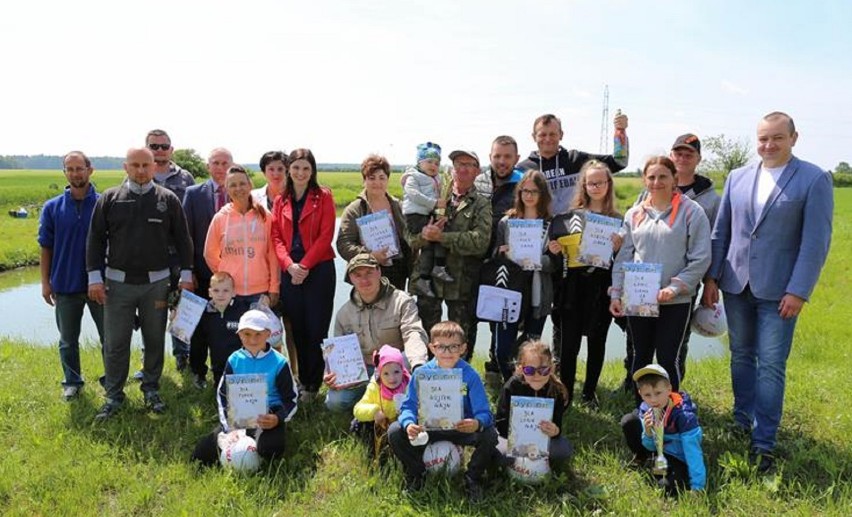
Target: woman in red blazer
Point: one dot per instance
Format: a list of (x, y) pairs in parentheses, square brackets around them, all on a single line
[(302, 230)]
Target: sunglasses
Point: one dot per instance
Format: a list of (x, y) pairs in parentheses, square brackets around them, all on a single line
[(452, 349), (531, 370), (161, 147)]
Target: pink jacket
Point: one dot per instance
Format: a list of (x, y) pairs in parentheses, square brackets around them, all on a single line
[(242, 246)]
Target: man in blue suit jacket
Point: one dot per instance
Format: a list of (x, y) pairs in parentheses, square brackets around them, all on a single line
[(770, 241), (200, 204)]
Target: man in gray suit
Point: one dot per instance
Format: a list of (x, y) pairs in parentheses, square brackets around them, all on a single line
[(770, 241)]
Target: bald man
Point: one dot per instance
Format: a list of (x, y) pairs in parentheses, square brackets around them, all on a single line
[(132, 226)]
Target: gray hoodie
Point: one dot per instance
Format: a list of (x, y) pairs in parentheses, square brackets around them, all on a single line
[(680, 243)]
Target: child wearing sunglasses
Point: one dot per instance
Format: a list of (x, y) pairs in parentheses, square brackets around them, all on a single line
[(535, 376), (475, 429)]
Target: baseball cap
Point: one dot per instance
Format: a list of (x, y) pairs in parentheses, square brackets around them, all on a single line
[(254, 320), (651, 369), (457, 153), (361, 260), (688, 140)]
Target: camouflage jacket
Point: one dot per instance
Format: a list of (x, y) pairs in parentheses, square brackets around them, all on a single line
[(466, 237)]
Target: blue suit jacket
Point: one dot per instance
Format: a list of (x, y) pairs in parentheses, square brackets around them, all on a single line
[(199, 207), (782, 249)]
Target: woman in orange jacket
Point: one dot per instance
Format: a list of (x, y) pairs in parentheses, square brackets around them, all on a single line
[(239, 241)]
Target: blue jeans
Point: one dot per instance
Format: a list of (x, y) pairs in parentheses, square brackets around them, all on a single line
[(69, 314), (344, 400), (760, 345)]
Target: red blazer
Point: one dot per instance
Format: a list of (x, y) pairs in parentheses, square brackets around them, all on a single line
[(316, 226)]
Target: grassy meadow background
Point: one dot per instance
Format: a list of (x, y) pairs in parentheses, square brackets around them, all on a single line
[(31, 188), (57, 461)]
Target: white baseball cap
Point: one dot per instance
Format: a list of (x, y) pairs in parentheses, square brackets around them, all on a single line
[(651, 369), (254, 320)]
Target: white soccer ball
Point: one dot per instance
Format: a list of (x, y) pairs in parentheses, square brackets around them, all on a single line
[(710, 321), (241, 455), (529, 470), (442, 457)]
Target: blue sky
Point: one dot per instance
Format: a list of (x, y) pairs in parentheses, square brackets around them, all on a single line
[(349, 78)]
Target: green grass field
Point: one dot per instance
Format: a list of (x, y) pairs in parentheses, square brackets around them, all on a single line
[(58, 462), (30, 189)]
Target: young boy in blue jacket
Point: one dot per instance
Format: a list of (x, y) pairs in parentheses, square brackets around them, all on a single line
[(682, 437), (476, 429), (255, 357)]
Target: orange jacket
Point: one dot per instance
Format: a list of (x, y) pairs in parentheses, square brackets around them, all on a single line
[(241, 244)]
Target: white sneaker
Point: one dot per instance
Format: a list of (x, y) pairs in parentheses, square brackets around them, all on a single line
[(70, 392)]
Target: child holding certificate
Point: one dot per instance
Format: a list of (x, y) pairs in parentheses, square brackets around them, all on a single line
[(665, 427), (476, 427), (535, 376), (381, 402), (216, 330), (532, 202), (257, 359), (582, 303)]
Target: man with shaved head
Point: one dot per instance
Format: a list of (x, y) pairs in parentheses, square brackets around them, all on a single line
[(127, 259), (200, 204)]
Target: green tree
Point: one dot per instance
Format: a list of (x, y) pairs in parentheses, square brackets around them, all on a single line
[(722, 154), (189, 160), (843, 168)]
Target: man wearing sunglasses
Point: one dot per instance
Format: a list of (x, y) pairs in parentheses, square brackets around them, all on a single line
[(170, 175), (166, 172), (200, 203)]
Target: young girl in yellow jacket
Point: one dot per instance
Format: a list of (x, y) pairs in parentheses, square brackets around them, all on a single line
[(379, 406)]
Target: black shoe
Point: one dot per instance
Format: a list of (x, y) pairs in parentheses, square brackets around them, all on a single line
[(738, 431), (491, 366), (181, 362), (199, 381), (107, 411), (591, 401), (413, 484), (762, 459), (138, 375), (154, 403), (473, 488)]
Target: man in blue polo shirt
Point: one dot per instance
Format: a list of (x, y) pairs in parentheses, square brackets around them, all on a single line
[(62, 232)]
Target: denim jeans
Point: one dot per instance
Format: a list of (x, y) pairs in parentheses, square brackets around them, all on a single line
[(69, 314), (760, 345), (344, 400)]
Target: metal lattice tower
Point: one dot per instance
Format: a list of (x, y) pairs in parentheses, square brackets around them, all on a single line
[(605, 136)]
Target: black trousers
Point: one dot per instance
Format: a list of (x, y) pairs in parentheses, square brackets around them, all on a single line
[(411, 457), (198, 346), (270, 445), (309, 306), (660, 337)]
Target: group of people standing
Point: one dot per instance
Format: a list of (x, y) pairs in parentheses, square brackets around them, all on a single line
[(762, 243)]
